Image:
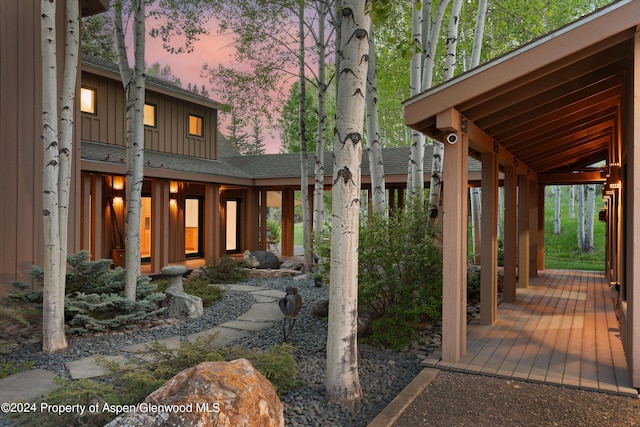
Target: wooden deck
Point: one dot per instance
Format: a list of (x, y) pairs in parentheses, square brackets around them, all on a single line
[(562, 330)]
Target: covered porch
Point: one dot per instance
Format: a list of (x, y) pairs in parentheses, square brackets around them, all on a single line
[(563, 109), (561, 330)]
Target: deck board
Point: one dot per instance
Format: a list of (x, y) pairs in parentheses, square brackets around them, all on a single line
[(561, 330)]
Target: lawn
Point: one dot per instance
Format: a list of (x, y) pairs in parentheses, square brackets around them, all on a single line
[(561, 251)]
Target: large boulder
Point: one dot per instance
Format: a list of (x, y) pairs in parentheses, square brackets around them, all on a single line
[(321, 309), (181, 305), (266, 259), (210, 394)]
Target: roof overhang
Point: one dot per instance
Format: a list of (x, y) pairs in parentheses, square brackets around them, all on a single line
[(554, 105), (93, 7)]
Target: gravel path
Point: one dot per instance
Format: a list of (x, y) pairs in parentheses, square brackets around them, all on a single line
[(455, 399)]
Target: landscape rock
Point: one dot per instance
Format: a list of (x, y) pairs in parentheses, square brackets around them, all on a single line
[(198, 273), (211, 394), (181, 305), (249, 260), (321, 309), (292, 264), (266, 259)]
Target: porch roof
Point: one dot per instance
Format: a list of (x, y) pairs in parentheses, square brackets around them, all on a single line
[(555, 104)]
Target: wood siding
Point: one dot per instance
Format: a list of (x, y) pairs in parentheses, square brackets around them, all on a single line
[(21, 225), (171, 133)]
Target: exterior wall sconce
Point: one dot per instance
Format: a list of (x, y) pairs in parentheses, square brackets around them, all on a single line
[(615, 178), (117, 182), (173, 187)]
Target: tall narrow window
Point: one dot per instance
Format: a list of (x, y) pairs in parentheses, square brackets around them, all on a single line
[(232, 213), (192, 228), (145, 228), (150, 115), (88, 100), (196, 125)]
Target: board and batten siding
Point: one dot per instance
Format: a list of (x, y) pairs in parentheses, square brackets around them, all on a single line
[(171, 133)]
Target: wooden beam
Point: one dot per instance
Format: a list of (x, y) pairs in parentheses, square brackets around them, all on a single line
[(570, 178), (454, 275), (510, 233), (489, 240), (523, 230)]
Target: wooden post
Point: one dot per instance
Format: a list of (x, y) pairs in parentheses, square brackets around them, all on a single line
[(510, 233), (540, 231), (523, 231), (533, 228), (159, 224), (211, 221), (454, 239), (287, 223), (97, 218), (489, 240)]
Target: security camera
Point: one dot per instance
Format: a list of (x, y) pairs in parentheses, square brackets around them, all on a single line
[(452, 138)]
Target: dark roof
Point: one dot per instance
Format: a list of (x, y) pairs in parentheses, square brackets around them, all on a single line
[(151, 81), (116, 154), (266, 166), (288, 165)]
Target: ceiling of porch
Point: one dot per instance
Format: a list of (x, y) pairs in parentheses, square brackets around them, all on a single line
[(556, 104)]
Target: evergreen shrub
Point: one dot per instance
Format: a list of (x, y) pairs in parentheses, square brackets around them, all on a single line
[(227, 271), (94, 295)]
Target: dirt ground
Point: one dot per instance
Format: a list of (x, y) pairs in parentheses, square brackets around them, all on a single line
[(455, 399)]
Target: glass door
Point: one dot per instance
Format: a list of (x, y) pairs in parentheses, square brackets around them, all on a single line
[(145, 229), (193, 227)]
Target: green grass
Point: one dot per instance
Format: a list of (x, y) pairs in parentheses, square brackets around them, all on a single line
[(561, 251)]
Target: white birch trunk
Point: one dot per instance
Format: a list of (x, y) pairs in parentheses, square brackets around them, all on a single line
[(416, 156), (318, 191), (374, 143), (572, 198), (500, 213), (478, 34), (343, 383), (53, 337), (304, 165), (580, 190), (589, 217), (134, 85), (67, 102), (555, 190), (430, 45), (476, 217)]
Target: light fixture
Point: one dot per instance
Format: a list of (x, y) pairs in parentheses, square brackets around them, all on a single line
[(173, 187), (615, 179), (117, 182)]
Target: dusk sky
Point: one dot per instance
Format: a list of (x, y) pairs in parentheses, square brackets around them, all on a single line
[(213, 49)]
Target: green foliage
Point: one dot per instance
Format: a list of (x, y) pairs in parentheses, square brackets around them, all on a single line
[(81, 392), (7, 368), (94, 295), (227, 271), (208, 293), (400, 264), (96, 37), (561, 251)]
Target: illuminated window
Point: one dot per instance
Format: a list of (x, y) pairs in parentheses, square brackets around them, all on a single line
[(195, 125), (150, 115), (88, 100)]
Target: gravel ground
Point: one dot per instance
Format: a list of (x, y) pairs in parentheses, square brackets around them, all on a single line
[(383, 373), (455, 399), (452, 399)]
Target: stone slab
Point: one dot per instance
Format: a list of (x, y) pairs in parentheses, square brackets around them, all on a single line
[(262, 298), (246, 325), (225, 335), (262, 312), (89, 367), (172, 343), (243, 288), (27, 386), (273, 293)]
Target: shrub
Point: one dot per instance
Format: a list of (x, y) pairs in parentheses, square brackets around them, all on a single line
[(227, 271), (400, 274), (94, 296)]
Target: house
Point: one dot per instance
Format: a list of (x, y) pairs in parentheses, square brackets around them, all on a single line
[(542, 114), (201, 200)]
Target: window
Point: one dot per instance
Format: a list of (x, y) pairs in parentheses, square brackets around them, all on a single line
[(195, 126), (150, 115), (88, 100)]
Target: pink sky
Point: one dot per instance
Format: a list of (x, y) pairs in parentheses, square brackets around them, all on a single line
[(213, 49)]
